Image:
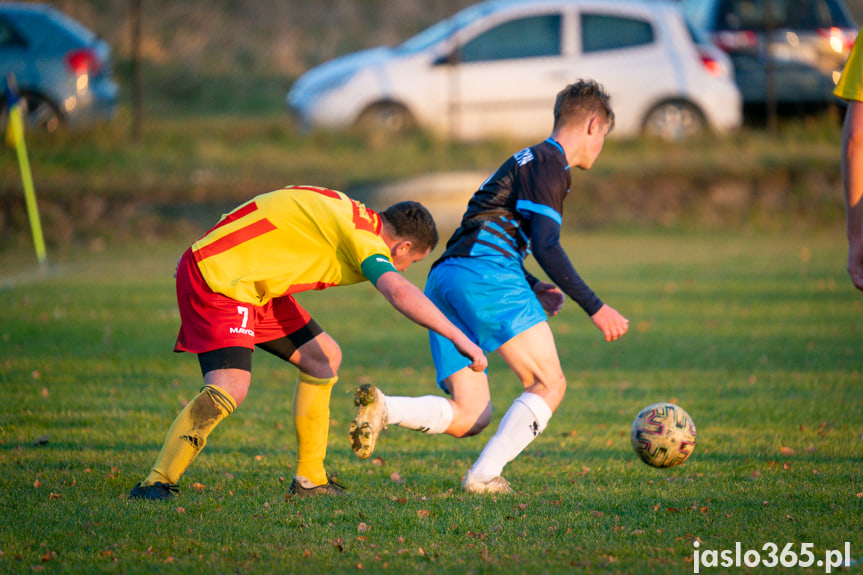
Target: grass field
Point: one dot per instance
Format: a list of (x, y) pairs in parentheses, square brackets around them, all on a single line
[(758, 336)]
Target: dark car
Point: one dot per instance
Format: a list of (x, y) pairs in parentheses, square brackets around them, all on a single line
[(62, 70), (790, 52)]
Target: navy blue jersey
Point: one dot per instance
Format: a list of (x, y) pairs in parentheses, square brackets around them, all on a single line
[(497, 220), (519, 208)]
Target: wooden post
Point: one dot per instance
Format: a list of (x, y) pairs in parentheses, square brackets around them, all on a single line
[(137, 95)]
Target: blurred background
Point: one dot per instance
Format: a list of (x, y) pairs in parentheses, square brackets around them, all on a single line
[(259, 46), (201, 124)]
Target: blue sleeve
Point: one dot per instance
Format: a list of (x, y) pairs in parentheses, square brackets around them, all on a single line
[(545, 244)]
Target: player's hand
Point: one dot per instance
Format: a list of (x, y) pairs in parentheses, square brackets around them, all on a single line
[(855, 261), (610, 322), (473, 352), (550, 297)]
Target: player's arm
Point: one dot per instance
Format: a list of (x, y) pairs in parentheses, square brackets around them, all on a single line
[(410, 301), (852, 179), (545, 243)]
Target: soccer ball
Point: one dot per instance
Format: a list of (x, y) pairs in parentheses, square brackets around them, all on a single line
[(663, 435)]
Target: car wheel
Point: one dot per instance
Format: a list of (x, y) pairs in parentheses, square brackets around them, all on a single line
[(40, 114), (674, 121), (385, 119)]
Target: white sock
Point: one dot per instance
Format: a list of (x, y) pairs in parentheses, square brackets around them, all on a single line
[(526, 418), (429, 413)]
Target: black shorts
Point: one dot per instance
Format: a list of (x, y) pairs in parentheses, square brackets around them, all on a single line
[(241, 357)]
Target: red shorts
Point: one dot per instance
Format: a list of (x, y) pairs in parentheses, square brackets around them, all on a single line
[(212, 321)]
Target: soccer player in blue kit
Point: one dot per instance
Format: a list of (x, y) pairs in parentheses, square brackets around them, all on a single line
[(481, 285)]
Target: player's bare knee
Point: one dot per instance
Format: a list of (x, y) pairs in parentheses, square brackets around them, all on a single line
[(552, 389), (470, 422), (321, 357), (334, 355)]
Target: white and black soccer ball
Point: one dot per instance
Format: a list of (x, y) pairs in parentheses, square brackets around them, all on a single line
[(663, 435)]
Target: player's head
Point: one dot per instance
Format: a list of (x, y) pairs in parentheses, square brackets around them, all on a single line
[(582, 118), (581, 101), (412, 232)]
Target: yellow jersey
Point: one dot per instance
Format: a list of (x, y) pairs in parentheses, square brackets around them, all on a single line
[(295, 239), (850, 85)]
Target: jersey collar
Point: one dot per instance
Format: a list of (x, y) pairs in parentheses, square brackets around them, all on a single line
[(557, 145)]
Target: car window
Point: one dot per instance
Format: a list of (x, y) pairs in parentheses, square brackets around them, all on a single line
[(8, 37), (697, 12), (601, 32), (47, 32), (795, 14), (531, 37)]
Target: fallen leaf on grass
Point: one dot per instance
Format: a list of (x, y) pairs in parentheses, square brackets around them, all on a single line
[(423, 512), (53, 495), (199, 487), (363, 528), (788, 451), (395, 477), (379, 461)]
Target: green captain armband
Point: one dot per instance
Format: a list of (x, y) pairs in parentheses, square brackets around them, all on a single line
[(373, 267)]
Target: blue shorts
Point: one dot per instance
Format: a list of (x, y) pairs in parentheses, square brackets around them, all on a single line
[(489, 299)]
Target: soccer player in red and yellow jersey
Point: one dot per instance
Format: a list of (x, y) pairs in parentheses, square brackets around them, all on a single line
[(234, 291)]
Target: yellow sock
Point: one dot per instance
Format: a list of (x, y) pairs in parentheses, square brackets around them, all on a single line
[(312, 423), (188, 434)]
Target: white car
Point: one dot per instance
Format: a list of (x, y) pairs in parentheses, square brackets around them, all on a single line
[(494, 69)]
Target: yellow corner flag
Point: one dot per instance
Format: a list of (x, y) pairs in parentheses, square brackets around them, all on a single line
[(15, 139)]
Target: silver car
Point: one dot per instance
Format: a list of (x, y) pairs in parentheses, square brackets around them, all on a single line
[(62, 70), (494, 69)]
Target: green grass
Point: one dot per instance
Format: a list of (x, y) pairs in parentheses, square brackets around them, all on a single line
[(756, 335)]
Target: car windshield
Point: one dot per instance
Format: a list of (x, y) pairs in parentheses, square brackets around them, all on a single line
[(443, 29), (696, 12), (748, 15)]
